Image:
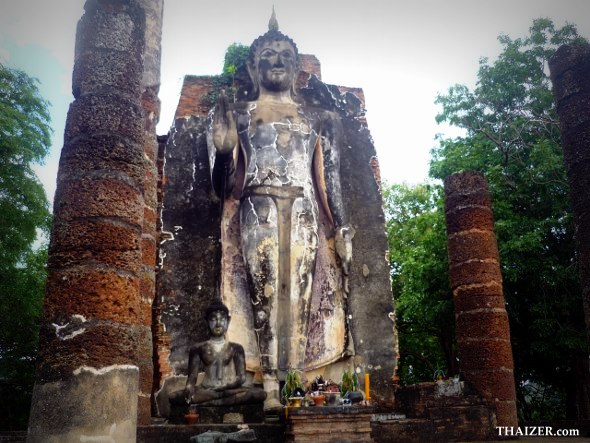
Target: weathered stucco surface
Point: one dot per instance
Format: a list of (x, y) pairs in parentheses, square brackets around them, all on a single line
[(190, 249), (92, 405)]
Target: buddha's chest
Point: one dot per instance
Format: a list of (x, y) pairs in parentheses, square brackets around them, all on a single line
[(212, 355), (285, 129)]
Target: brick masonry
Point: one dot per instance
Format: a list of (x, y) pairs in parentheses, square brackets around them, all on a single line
[(431, 417), (482, 329), (337, 424)]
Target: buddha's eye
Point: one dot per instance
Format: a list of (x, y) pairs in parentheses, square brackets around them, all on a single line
[(267, 53)]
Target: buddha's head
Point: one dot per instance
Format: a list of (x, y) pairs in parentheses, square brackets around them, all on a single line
[(218, 317), (273, 61)]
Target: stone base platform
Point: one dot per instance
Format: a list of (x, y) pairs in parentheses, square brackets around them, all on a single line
[(249, 413), (425, 412), (438, 412), (329, 424), (265, 432)]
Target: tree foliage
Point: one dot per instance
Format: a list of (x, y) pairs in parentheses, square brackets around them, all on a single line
[(234, 60), (24, 213), (20, 306), (511, 135), (418, 257), (24, 139), (233, 72)]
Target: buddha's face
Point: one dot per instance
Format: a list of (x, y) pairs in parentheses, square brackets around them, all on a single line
[(218, 322), (276, 65)]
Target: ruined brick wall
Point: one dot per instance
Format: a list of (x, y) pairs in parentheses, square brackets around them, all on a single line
[(482, 329), (189, 248), (570, 73), (161, 341), (370, 304), (310, 64), (194, 89), (95, 341), (432, 416)]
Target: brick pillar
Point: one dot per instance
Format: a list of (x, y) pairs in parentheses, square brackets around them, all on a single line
[(570, 73), (482, 330), (93, 339), (150, 86)]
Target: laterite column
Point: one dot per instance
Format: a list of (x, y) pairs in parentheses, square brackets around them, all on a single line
[(151, 105), (482, 330), (92, 335), (570, 73)]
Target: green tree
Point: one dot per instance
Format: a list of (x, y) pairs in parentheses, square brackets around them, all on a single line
[(24, 214), (512, 137), (418, 257), (234, 59), (233, 74)]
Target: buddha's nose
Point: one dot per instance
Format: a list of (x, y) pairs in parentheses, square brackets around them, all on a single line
[(278, 62)]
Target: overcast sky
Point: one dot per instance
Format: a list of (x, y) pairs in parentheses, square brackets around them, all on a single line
[(402, 53)]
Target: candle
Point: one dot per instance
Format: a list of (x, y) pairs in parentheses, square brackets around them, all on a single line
[(367, 386)]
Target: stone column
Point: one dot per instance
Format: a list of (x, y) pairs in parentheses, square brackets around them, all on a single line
[(150, 87), (93, 339), (482, 330), (570, 73)]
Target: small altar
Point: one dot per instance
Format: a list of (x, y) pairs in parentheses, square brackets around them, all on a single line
[(329, 424), (318, 424)]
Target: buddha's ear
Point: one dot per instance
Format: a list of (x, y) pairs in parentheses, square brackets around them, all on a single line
[(253, 73), (295, 76)]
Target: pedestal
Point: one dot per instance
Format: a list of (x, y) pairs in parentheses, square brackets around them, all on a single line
[(248, 413), (329, 424)]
